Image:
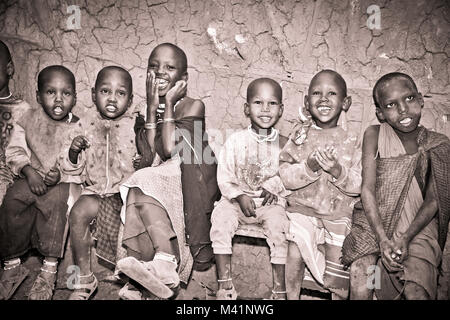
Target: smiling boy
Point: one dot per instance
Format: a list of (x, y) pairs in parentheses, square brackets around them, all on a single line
[(248, 178), (323, 173), (405, 194)]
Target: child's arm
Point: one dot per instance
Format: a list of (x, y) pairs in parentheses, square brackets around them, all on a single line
[(228, 182), (152, 105), (73, 161), (423, 217), (18, 158), (17, 153), (297, 175), (348, 180), (168, 129), (368, 197)]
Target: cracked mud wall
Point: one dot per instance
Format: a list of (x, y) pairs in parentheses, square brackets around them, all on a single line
[(230, 42)]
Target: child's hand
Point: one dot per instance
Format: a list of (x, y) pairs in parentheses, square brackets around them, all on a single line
[(136, 161), (389, 256), (79, 143), (152, 92), (35, 182), (268, 197), (326, 158), (247, 205), (177, 92), (312, 162), (52, 177), (401, 249)]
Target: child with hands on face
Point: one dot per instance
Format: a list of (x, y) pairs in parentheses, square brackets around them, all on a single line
[(35, 207), (169, 201)]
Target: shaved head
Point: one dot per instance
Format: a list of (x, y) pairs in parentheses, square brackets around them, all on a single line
[(102, 73), (181, 56), (47, 73), (339, 80), (254, 85), (383, 81)]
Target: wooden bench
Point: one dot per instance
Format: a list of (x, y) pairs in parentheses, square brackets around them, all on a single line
[(256, 231)]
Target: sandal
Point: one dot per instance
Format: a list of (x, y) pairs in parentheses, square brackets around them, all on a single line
[(129, 292), (226, 294), (16, 280), (275, 295), (42, 288), (83, 291)]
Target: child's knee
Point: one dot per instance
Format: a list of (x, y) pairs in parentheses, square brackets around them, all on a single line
[(84, 210), (414, 291), (293, 251)]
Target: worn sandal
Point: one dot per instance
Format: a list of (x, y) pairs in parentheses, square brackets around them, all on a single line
[(42, 288), (226, 294), (83, 291), (275, 295), (136, 270), (16, 280)]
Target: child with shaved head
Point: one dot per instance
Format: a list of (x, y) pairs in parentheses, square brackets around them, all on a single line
[(102, 156), (170, 199), (12, 107), (35, 208), (248, 178), (401, 225), (321, 166)]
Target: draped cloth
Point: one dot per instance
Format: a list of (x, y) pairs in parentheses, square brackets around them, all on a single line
[(163, 183), (400, 183)]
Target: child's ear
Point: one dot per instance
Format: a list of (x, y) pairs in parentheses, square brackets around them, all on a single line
[(130, 101), (74, 99), (10, 69), (280, 113), (346, 103), (93, 95), (185, 76), (420, 99), (379, 114), (38, 97), (246, 109), (306, 103)]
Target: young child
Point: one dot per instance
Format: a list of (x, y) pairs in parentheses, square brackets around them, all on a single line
[(321, 167), (35, 207), (248, 178), (168, 205), (102, 156), (12, 107), (405, 199)]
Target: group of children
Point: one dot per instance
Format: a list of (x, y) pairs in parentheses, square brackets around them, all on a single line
[(140, 190)]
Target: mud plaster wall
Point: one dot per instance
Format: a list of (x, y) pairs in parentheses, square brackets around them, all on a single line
[(230, 42)]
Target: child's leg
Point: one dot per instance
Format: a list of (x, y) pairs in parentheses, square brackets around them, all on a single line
[(359, 276), (413, 291), (295, 270), (224, 223), (81, 215), (275, 224), (146, 216)]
